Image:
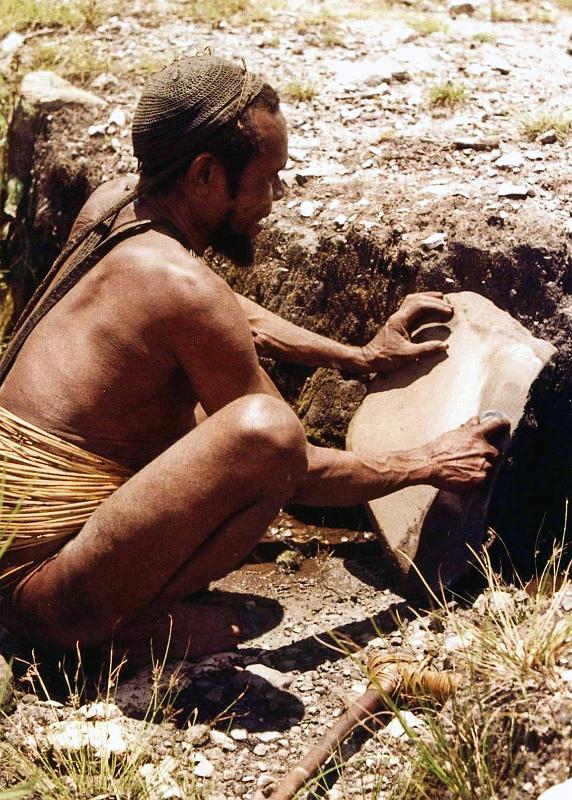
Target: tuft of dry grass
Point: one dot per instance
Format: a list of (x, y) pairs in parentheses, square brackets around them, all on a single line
[(244, 12), (22, 14), (300, 91), (78, 59), (558, 120), (447, 95), (427, 25)]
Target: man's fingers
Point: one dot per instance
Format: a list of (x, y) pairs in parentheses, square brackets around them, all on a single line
[(425, 349), (423, 308), (494, 426)]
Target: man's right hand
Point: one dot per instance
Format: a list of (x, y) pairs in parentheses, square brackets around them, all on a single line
[(460, 460)]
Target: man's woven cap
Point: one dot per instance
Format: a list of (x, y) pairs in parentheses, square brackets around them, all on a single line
[(185, 102)]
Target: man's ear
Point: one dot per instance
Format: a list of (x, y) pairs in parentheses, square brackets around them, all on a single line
[(206, 175)]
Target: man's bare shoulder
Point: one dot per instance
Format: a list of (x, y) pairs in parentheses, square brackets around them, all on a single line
[(173, 281)]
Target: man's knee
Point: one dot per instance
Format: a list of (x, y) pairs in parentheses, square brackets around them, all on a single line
[(271, 433)]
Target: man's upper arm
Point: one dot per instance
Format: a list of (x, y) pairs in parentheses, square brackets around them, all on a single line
[(212, 341)]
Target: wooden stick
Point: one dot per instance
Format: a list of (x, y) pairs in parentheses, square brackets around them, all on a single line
[(389, 678)]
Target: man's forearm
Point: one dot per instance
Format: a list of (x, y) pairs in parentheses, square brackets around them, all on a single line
[(284, 341), (338, 478)]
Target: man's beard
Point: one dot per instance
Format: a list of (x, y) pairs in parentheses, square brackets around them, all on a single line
[(239, 247)]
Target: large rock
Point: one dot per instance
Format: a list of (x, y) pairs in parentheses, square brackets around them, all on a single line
[(491, 364), (50, 92)]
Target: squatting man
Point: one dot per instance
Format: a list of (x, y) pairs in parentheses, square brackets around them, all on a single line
[(145, 450)]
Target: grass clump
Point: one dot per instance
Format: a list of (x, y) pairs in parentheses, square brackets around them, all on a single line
[(505, 12), (425, 26), (509, 652), (242, 12), (96, 765), (22, 14), (533, 125), (447, 95), (484, 38), (79, 60), (300, 91)]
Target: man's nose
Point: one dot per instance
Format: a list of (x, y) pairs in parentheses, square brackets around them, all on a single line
[(277, 189)]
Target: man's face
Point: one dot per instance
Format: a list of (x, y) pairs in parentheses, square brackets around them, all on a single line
[(259, 187)]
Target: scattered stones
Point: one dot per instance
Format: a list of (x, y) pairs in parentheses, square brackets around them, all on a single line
[(397, 728), (222, 740), (499, 603), (117, 117), (203, 767), (435, 241), (48, 91), (279, 680), (499, 65), (512, 160), (267, 736), (195, 735), (548, 137), (102, 737), (239, 734), (516, 191), (12, 42), (159, 781), (476, 143), (307, 209)]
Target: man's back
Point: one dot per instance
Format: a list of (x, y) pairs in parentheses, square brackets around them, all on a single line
[(100, 369)]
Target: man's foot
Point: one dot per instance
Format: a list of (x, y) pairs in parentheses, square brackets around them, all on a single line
[(187, 630), (212, 622)]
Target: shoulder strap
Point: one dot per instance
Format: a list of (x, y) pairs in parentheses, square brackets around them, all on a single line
[(77, 270)]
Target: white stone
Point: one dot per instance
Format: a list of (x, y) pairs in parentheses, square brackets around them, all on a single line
[(456, 642), (568, 228), (204, 768), (267, 736), (548, 137), (117, 117), (534, 155), (516, 190), (566, 675), (97, 130), (307, 208), (340, 220), (499, 65), (103, 737), (222, 740), (512, 160), (562, 791), (12, 42), (239, 734), (396, 729), (100, 711), (158, 780), (280, 680), (434, 241), (496, 603), (49, 92)]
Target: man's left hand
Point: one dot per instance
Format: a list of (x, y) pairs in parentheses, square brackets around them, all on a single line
[(392, 348)]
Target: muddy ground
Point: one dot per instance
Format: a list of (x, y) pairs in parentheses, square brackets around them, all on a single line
[(374, 170)]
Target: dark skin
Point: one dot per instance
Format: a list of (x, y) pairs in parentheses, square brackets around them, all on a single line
[(144, 348)]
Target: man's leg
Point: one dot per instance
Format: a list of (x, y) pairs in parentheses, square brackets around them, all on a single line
[(187, 518)]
